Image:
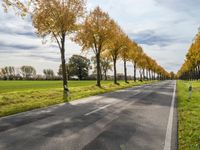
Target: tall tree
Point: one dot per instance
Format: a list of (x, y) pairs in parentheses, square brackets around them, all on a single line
[(115, 46), (95, 34), (79, 66), (135, 56), (125, 54), (8, 72), (68, 71), (49, 74), (28, 72), (105, 64), (52, 18)]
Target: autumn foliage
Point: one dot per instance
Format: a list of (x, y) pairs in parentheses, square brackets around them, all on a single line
[(94, 31), (191, 67)]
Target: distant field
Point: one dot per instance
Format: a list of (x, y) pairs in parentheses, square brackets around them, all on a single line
[(19, 96), (13, 86), (189, 116)]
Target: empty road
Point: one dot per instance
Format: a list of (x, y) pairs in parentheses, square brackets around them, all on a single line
[(139, 118)]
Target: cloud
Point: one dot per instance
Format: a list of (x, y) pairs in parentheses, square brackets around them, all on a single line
[(10, 30), (16, 47), (149, 37), (170, 65), (44, 57), (185, 6)]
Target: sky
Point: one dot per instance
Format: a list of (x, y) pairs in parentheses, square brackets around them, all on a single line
[(164, 28)]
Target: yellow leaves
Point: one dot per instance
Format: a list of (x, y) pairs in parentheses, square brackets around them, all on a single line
[(55, 17), (95, 32), (20, 6), (192, 57), (49, 15), (6, 3)]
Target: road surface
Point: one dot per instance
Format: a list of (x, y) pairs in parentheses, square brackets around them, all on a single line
[(139, 118)]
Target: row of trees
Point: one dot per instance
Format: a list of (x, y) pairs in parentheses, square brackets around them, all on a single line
[(24, 72), (77, 66), (108, 41), (10, 72), (190, 70), (73, 73), (94, 31)]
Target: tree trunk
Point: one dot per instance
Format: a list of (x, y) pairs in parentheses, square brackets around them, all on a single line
[(140, 75), (79, 74), (98, 70), (105, 75), (101, 74), (143, 74), (64, 73), (125, 71), (198, 72), (135, 71), (149, 74), (115, 71)]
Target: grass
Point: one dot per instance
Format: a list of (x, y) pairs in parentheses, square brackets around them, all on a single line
[(20, 96), (189, 116), (10, 86)]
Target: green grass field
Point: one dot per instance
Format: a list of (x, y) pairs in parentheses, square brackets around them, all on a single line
[(19, 96), (189, 116), (15, 86)]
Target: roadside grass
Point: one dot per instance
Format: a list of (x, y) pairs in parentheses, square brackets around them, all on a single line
[(13, 86), (189, 116), (20, 96)]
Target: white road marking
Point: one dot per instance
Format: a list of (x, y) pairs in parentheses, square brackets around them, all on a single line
[(101, 108), (168, 136)]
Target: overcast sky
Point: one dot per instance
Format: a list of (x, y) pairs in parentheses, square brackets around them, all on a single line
[(164, 28)]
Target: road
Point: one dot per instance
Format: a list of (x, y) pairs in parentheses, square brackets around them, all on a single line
[(139, 118)]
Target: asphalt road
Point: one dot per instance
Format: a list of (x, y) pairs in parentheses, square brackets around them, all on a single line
[(139, 118)]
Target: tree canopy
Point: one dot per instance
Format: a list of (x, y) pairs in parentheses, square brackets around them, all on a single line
[(79, 66), (191, 67), (28, 71)]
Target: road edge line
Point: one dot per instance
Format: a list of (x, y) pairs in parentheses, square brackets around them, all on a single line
[(168, 136)]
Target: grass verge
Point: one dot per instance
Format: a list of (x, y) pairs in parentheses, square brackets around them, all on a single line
[(189, 116), (20, 96)]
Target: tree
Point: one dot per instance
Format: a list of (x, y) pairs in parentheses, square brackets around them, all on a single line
[(79, 66), (49, 74), (95, 34), (190, 70), (135, 56), (8, 72), (1, 74), (125, 54), (142, 65), (68, 71), (115, 46), (172, 75), (52, 18), (106, 66), (28, 72)]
